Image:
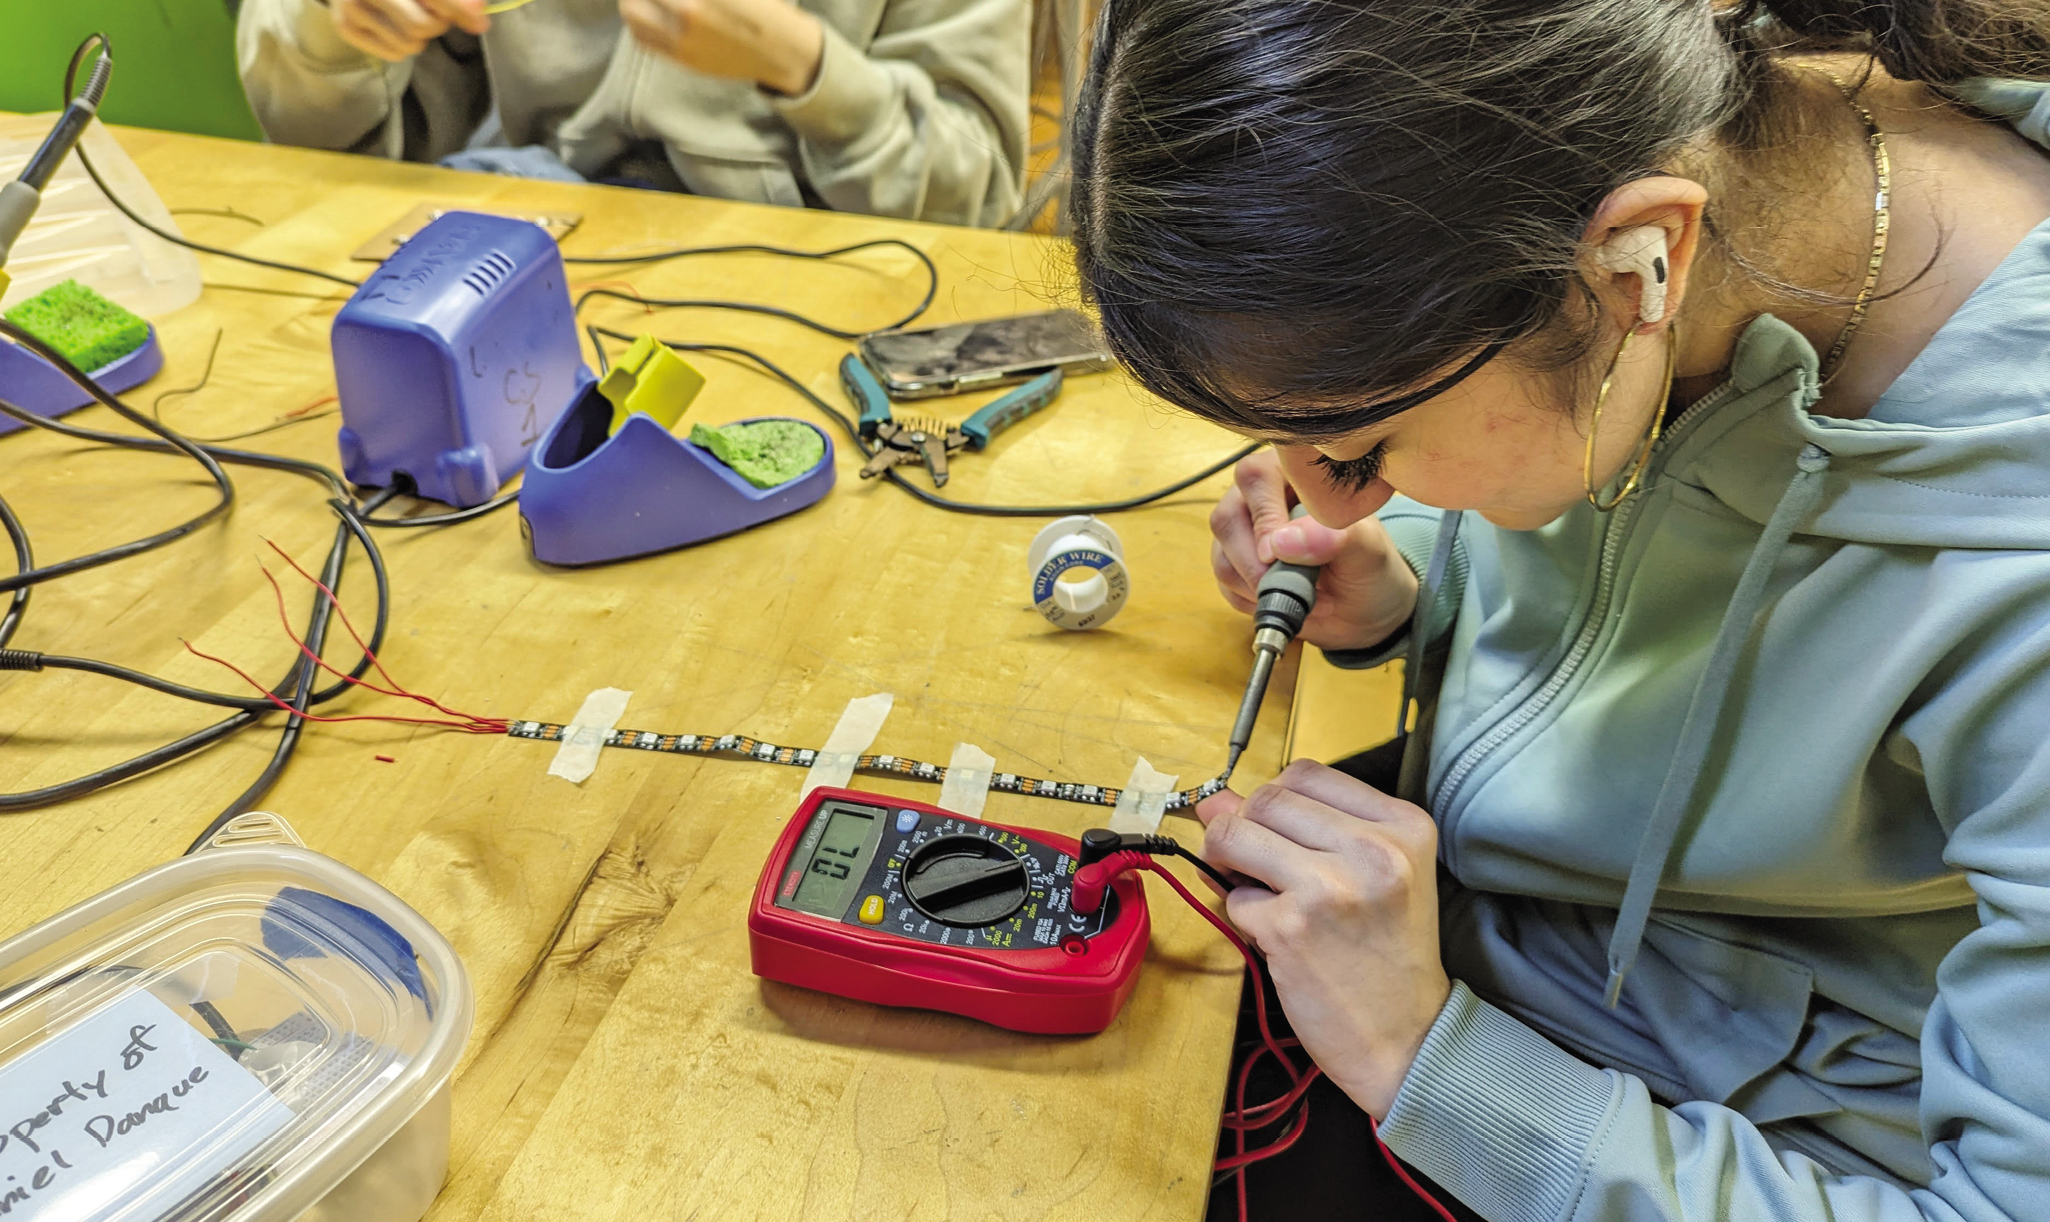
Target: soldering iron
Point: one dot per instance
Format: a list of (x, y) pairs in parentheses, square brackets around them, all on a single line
[(1282, 601), (20, 199)]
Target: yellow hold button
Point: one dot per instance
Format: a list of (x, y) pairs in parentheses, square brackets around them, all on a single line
[(872, 910), (650, 378)]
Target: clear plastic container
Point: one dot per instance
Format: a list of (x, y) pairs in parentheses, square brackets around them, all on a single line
[(253, 1032)]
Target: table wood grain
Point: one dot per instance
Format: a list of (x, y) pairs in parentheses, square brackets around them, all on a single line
[(625, 1063)]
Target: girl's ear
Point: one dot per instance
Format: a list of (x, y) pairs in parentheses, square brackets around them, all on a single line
[(1645, 228)]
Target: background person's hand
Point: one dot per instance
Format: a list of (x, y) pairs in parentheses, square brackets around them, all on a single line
[(1346, 913), (1366, 590), (399, 29), (770, 42)]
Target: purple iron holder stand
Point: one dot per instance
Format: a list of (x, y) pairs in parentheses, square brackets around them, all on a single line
[(589, 499), (33, 384)]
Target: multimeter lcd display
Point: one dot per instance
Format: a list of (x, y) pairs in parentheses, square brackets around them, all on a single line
[(837, 864)]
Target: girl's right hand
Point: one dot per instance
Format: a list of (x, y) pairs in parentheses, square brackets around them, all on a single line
[(400, 29), (1366, 591)]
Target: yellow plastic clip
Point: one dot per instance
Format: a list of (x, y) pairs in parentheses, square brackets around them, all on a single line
[(650, 378)]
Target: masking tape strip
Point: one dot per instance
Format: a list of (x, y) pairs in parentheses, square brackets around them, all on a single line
[(587, 734), (966, 787), (1143, 801), (858, 726)]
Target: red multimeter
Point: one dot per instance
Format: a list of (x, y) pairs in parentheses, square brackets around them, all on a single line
[(904, 904)]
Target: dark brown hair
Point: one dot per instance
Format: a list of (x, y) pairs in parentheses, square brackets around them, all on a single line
[(1295, 216)]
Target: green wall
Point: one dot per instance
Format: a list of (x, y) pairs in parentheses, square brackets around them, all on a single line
[(174, 61)]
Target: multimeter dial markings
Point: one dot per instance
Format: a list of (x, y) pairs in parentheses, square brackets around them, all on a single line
[(966, 881), (942, 879)]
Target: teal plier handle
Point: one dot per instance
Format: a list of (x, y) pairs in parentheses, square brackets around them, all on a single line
[(1001, 413), (865, 393)]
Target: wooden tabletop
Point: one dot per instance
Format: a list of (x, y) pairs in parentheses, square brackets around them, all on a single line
[(625, 1063)]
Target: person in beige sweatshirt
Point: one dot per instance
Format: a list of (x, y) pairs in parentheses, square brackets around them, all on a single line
[(906, 108)]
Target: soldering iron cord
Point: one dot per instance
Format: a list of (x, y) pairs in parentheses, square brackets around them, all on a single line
[(932, 284), (93, 172), (210, 457)]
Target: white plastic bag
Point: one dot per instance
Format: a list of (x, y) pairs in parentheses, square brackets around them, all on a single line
[(78, 235)]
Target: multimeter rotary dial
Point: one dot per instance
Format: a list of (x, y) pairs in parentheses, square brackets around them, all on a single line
[(966, 881)]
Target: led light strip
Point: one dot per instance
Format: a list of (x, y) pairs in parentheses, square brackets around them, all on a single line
[(740, 746)]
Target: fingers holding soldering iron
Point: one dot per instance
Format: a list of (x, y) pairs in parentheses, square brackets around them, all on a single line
[(1365, 589), (1257, 504)]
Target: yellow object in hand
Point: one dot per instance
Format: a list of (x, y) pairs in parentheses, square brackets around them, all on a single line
[(650, 378), (505, 6)]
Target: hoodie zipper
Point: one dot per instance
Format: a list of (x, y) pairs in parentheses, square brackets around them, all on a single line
[(1614, 535)]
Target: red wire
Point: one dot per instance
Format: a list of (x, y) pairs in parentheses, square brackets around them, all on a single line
[(467, 723), (1240, 1120), (497, 725), (305, 716), (492, 724)]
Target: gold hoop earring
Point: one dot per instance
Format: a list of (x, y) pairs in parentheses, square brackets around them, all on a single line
[(1651, 436)]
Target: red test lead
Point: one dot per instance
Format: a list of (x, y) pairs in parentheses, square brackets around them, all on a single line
[(1107, 855)]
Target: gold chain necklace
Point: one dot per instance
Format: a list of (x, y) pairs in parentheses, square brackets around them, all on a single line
[(1882, 199)]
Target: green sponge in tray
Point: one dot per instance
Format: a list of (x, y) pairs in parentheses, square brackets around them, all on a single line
[(90, 331), (765, 453)]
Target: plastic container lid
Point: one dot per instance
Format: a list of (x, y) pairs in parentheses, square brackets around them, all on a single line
[(224, 1037)]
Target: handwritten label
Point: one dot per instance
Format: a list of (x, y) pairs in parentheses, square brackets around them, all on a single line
[(132, 1100)]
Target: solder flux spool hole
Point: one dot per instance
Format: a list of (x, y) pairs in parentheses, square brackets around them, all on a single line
[(1078, 573)]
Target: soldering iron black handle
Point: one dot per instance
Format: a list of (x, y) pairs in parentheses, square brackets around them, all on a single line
[(1286, 593)]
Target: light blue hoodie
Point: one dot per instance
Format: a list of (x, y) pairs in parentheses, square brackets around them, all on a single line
[(1788, 709)]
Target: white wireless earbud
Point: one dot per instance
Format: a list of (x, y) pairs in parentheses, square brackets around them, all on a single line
[(1643, 251)]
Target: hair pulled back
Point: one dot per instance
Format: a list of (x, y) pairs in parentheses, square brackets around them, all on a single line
[(1287, 211)]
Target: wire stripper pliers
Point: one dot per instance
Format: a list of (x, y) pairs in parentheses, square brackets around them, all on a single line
[(931, 441)]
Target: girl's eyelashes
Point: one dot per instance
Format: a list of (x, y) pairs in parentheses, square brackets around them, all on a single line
[(1353, 474)]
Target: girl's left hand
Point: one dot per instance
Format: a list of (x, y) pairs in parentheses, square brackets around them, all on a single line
[(770, 42), (1347, 918)]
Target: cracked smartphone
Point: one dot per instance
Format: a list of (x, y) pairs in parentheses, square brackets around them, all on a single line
[(966, 356)]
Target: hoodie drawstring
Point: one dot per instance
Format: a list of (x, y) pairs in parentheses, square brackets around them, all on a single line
[(1661, 832), (1416, 687)]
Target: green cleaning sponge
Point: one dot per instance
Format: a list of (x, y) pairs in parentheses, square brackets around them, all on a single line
[(765, 453), (87, 328)]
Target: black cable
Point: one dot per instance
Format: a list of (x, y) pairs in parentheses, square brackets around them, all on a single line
[(404, 486), (853, 432), (351, 528), (26, 660), (302, 698), (1212, 872), (337, 487), (200, 739), (114, 774), (172, 440), (24, 560), (932, 284), (216, 1021), (92, 171)]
